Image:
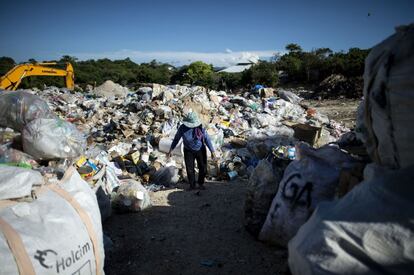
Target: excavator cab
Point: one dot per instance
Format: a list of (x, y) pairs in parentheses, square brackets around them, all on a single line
[(12, 79)]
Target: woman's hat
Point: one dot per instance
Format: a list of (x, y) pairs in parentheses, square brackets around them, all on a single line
[(191, 120)]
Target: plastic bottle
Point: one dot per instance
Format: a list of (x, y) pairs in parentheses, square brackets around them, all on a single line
[(291, 153)]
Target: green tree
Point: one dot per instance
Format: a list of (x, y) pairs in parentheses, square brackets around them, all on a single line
[(310, 66), (68, 58), (290, 64), (314, 66), (154, 72), (263, 72), (355, 61), (179, 75), (293, 48), (323, 52), (229, 81), (199, 73), (6, 64)]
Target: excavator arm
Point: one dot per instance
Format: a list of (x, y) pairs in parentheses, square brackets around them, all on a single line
[(14, 77)]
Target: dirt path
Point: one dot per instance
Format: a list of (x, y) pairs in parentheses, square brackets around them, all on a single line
[(186, 233)]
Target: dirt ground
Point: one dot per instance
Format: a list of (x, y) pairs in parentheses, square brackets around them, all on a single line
[(200, 233), (341, 110), (190, 233)]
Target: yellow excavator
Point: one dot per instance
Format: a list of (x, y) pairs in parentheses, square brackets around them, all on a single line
[(12, 79)]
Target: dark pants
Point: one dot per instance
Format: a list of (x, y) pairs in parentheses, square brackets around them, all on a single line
[(189, 158)]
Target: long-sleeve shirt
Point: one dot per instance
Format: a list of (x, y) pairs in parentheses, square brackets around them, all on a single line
[(190, 140)]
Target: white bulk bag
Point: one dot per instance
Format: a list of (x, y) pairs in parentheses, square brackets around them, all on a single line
[(369, 231), (389, 100), (59, 232), (16, 182), (306, 182)]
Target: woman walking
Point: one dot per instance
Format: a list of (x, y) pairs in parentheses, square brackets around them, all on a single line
[(195, 139)]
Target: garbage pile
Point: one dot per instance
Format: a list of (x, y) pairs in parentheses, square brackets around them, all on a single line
[(112, 133), (319, 165), (114, 141), (135, 129)]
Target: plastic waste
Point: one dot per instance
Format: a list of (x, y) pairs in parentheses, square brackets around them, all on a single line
[(263, 185), (287, 110), (46, 138), (166, 176), (291, 153), (165, 145), (216, 136), (111, 172), (131, 196), (289, 96), (13, 157), (19, 108), (232, 175), (121, 148), (169, 127)]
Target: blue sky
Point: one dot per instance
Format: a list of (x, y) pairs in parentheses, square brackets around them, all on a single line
[(179, 32)]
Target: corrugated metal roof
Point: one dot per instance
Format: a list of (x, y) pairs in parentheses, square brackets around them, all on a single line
[(236, 68)]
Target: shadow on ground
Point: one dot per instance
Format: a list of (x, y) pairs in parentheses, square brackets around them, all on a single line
[(190, 233)]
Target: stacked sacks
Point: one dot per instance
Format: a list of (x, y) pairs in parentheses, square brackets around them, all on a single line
[(371, 229), (310, 179)]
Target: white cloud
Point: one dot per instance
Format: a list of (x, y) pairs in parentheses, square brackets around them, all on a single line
[(226, 58)]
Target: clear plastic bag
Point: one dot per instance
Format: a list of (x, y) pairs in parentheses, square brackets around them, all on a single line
[(131, 196), (46, 138), (19, 108), (10, 156)]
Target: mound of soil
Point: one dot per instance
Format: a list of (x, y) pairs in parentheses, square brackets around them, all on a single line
[(336, 86)]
